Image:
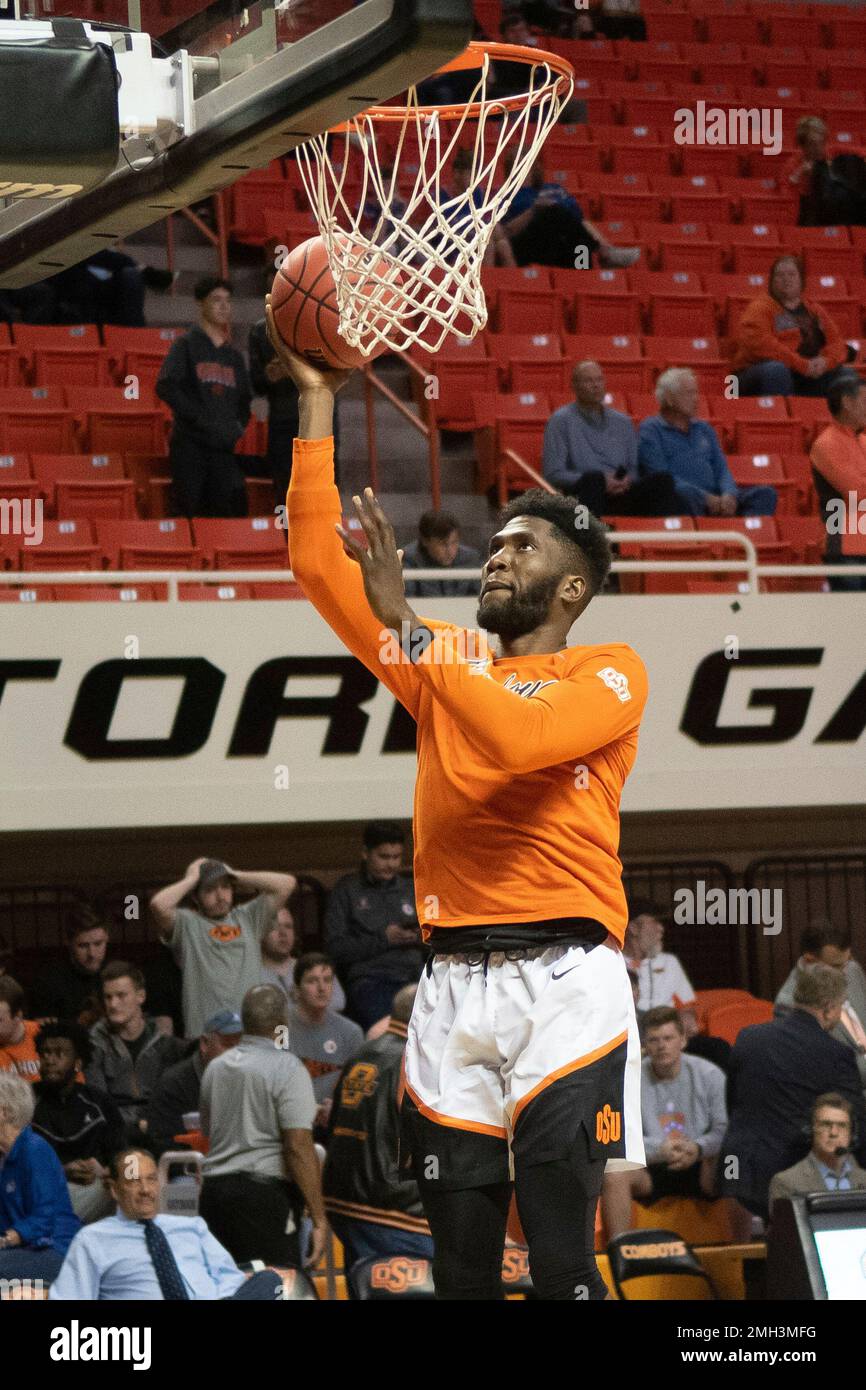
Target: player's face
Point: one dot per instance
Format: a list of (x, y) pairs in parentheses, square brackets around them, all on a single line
[(384, 861), (317, 987), (521, 578), (88, 950), (57, 1061), (665, 1044), (216, 901)]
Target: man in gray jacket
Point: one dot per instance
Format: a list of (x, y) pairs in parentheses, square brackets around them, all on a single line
[(823, 943), (129, 1052), (438, 547), (829, 1166)]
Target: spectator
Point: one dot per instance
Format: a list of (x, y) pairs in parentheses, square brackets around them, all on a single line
[(662, 981), (822, 943), (438, 547), (831, 186), (676, 442), (258, 1109), (371, 926), (178, 1090), (18, 1054), (216, 943), (684, 1120), (278, 960), (129, 1052), (70, 988), (839, 465), (82, 1124), (373, 1205), (107, 287), (499, 250), (590, 452), (829, 1166), (36, 1219), (610, 19), (786, 345), (164, 984), (777, 1072), (546, 226), (321, 1037), (204, 382), (705, 1045), (141, 1254)]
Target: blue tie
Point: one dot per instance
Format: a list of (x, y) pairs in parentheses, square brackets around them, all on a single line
[(171, 1285)]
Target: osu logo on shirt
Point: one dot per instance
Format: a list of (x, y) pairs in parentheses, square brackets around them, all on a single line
[(360, 1082), (608, 1125), (515, 1265), (398, 1274), (224, 931)]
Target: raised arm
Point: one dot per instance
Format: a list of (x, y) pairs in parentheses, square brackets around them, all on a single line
[(319, 563), (165, 903), (278, 887)]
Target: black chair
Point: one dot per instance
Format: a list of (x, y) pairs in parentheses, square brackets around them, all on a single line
[(636, 1254), (298, 1287), (389, 1277)]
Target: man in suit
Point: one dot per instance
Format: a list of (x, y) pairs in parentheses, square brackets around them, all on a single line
[(830, 945), (777, 1072), (829, 1166)]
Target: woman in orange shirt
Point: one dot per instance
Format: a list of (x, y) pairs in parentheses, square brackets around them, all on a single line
[(785, 345)]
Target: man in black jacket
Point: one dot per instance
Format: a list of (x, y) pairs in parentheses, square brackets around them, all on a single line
[(204, 380), (371, 926), (81, 1123), (776, 1073), (178, 1090), (374, 1207), (71, 988)]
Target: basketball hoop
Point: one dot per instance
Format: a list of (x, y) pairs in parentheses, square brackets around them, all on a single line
[(407, 262)]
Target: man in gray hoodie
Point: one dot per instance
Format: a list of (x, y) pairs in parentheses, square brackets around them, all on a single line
[(129, 1052)]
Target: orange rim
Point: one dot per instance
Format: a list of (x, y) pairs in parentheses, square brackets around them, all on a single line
[(473, 57)]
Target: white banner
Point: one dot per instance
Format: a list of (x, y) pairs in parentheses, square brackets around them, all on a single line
[(231, 713)]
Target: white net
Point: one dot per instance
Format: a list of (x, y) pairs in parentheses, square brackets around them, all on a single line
[(406, 238)]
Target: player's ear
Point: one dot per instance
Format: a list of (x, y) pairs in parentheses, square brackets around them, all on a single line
[(574, 589)]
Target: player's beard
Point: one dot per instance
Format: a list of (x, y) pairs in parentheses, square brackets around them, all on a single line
[(521, 612)]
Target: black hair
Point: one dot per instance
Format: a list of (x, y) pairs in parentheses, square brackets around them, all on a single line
[(823, 933), (437, 526), (81, 918), (383, 832), (308, 962), (584, 538), (208, 284), (122, 970), (844, 388), (72, 1032)]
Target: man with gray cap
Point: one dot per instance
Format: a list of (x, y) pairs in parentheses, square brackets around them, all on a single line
[(177, 1091), (216, 943)]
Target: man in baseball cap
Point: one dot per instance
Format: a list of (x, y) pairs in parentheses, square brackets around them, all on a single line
[(216, 943), (177, 1092)]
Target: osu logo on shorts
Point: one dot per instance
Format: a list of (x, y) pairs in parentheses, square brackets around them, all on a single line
[(515, 1265), (360, 1082), (608, 1125), (224, 932), (398, 1274)]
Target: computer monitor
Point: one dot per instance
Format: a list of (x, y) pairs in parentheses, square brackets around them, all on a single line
[(816, 1247)]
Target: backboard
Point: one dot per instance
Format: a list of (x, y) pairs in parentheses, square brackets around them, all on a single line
[(254, 81)]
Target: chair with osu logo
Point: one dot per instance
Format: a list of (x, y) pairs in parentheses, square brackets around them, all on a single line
[(388, 1277), (648, 1253)]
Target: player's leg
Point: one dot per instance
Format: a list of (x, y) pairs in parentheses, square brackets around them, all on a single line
[(556, 1202), (468, 1230)]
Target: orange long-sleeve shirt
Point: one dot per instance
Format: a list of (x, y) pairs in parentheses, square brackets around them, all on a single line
[(840, 456), (521, 760), (766, 332)]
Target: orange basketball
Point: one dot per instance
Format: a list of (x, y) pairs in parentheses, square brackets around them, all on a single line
[(304, 304)]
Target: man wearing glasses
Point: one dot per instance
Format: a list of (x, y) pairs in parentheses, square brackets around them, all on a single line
[(829, 1166)]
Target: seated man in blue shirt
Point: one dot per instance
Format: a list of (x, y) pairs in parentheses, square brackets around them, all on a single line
[(140, 1253), (590, 452), (674, 441), (36, 1217)]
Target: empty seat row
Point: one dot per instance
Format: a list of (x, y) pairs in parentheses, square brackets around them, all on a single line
[(172, 543), (146, 593)]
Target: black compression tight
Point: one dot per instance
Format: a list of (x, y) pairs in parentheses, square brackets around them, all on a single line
[(556, 1202)]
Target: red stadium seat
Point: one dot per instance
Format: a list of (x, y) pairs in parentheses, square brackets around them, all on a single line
[(599, 311), (527, 407), (65, 545), (680, 313), (37, 431), (761, 531), (621, 356), (29, 337), (674, 27), (240, 542), (165, 544), (787, 27), (10, 366), (109, 593), (456, 381), (92, 485), (805, 536), (133, 429), (215, 592), (39, 593), (528, 310), (527, 361), (798, 468), (700, 355), (848, 34), (725, 414), (642, 404), (70, 367), (720, 160), (32, 398), (771, 436), (525, 439), (138, 352), (671, 582), (277, 591)]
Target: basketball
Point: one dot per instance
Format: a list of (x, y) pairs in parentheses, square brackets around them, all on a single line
[(304, 304)]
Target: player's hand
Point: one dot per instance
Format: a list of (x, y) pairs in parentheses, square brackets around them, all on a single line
[(380, 564), (305, 376)]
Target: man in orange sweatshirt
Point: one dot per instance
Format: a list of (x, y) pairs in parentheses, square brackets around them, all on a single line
[(522, 1063)]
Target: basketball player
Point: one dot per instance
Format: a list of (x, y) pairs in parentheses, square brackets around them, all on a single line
[(523, 1062)]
